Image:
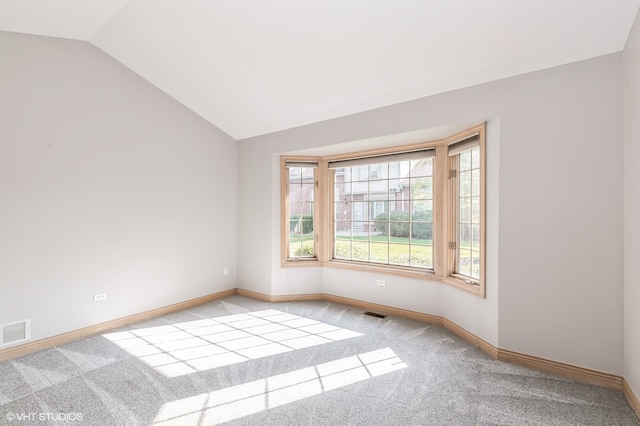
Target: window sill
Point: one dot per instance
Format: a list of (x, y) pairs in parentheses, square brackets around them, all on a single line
[(385, 269), (424, 274), (295, 263), (460, 283)]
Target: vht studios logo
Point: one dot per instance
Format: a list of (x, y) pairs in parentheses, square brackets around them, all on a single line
[(43, 417)]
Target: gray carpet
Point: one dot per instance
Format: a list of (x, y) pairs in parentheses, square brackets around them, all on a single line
[(239, 361)]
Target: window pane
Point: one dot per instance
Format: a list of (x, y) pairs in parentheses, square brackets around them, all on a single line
[(376, 209), (468, 208), (465, 161), (465, 184), (475, 210), (475, 236), (423, 167), (342, 249), (380, 253), (379, 187), (395, 170), (420, 206), (464, 262), (422, 233), (358, 209), (360, 251), (475, 158), (475, 182), (465, 236), (421, 256), (360, 173), (383, 200), (421, 188), (301, 208), (378, 236), (475, 265), (396, 189), (465, 210), (400, 254)]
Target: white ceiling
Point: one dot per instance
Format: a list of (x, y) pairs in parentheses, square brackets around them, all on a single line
[(257, 66)]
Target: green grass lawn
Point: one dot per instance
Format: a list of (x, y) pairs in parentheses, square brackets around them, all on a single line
[(377, 248), (384, 238)]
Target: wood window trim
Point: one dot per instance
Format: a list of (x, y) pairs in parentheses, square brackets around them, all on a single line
[(443, 215), (285, 260), (449, 253)]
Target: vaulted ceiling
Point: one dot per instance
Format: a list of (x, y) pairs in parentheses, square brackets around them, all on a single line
[(252, 67)]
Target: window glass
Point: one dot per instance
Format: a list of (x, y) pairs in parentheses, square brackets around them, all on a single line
[(301, 184), (384, 213), (468, 214)]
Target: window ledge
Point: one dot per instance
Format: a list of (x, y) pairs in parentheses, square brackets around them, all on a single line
[(460, 283), (385, 269), (311, 261)]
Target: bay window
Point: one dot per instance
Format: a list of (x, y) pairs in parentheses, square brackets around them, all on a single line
[(416, 210)]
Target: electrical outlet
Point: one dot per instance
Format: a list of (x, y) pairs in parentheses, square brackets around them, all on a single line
[(381, 283), (225, 271), (99, 296)]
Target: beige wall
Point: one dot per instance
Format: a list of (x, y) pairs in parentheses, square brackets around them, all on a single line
[(632, 209), (106, 185), (554, 275)]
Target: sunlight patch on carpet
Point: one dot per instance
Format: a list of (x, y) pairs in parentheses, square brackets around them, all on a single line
[(188, 347), (253, 397)]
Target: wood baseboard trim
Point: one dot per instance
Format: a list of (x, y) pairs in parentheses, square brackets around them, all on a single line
[(632, 397), (581, 374), (49, 342), (484, 346), (565, 370), (297, 298), (383, 309), (585, 375), (280, 299), (561, 369), (254, 295)]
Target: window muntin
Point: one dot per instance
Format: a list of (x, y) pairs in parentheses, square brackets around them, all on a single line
[(301, 183), (437, 205), (467, 209), (384, 210), (467, 260)]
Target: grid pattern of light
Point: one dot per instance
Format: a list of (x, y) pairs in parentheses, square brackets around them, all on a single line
[(188, 347), (249, 398)]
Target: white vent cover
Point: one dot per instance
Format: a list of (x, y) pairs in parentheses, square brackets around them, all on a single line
[(15, 332)]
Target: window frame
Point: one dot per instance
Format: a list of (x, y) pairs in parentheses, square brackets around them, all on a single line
[(451, 276), (387, 154), (444, 214), (316, 204)]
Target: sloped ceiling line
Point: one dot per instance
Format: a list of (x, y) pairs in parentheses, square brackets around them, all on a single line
[(253, 67)]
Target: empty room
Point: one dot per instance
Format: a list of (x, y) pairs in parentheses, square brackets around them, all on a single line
[(319, 213)]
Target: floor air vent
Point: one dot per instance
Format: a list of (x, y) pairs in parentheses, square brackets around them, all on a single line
[(14, 332), (375, 314)]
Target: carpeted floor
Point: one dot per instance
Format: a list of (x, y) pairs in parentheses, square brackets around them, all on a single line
[(240, 361)]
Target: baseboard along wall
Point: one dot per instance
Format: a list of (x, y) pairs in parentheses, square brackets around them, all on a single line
[(586, 375), (59, 339), (581, 374), (631, 396)]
